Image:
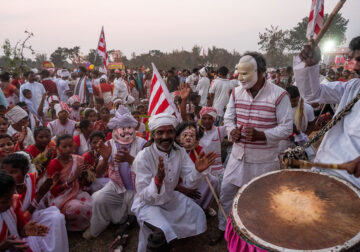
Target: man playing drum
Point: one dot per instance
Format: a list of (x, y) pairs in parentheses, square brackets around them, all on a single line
[(342, 142), (257, 117)]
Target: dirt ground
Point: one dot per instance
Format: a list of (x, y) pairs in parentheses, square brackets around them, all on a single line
[(101, 243)]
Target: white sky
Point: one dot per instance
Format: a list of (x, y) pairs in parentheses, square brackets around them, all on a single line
[(142, 25)]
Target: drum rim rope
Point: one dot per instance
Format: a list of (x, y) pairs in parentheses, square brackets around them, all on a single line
[(242, 231)]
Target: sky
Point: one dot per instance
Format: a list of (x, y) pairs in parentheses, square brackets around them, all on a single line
[(142, 25)]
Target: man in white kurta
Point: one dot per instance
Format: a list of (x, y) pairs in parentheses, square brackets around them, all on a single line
[(342, 142), (257, 117), (202, 88), (120, 88), (37, 89), (163, 213)]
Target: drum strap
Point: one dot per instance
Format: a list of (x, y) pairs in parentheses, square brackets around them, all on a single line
[(299, 151)]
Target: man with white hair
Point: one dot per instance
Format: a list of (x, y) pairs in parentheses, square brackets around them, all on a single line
[(202, 88), (257, 117), (113, 202), (163, 213)]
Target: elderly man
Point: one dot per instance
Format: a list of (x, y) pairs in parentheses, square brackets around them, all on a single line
[(113, 202), (257, 117), (342, 142), (163, 213)]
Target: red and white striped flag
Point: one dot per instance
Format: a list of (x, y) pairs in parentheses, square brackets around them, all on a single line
[(316, 18), (160, 99), (101, 50), (203, 54)]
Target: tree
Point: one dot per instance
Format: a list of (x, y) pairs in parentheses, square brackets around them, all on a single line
[(58, 57), (297, 35), (14, 60), (273, 42), (91, 58), (39, 59)]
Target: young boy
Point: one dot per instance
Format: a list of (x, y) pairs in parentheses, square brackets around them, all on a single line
[(140, 129), (27, 99)]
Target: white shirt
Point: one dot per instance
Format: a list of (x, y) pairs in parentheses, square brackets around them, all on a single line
[(192, 81), (221, 90), (342, 142), (37, 89), (202, 88), (120, 89), (63, 87)]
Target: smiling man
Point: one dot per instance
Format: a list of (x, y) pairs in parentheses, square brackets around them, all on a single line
[(163, 213)]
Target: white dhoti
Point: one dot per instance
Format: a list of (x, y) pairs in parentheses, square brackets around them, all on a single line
[(56, 240), (179, 218), (108, 207)]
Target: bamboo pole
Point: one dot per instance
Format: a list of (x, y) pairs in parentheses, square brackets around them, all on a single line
[(328, 21)]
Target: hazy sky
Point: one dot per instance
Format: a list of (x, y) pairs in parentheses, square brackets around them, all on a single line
[(142, 25)]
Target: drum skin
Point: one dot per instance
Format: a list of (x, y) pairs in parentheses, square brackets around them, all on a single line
[(298, 210)]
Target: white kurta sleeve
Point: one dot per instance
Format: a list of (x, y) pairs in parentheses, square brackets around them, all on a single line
[(145, 182), (284, 118), (230, 117), (308, 81)]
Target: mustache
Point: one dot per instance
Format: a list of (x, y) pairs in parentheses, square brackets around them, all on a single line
[(169, 140)]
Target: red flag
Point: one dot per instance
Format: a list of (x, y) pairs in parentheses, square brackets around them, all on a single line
[(203, 53), (101, 50), (316, 18), (160, 99)]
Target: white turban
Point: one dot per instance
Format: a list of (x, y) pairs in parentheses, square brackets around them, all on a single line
[(203, 72), (15, 114), (65, 74), (161, 119)]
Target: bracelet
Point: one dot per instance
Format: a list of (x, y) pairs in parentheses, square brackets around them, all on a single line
[(157, 182), (34, 203)]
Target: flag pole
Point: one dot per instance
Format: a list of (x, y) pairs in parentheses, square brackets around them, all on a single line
[(328, 21)]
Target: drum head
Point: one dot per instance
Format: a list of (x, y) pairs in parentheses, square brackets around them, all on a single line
[(296, 210)]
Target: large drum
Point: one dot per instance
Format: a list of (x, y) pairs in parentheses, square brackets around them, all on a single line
[(297, 210)]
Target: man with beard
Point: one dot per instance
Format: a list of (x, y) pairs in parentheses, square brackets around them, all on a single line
[(113, 202), (257, 117), (163, 213), (347, 131)]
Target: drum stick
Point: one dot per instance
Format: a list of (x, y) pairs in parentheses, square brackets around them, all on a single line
[(309, 165), (216, 197), (328, 21)]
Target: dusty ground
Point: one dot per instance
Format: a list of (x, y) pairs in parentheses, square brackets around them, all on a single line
[(101, 243)]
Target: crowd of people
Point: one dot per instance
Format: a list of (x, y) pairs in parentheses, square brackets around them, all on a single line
[(78, 150)]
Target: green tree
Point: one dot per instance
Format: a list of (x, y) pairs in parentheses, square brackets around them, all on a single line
[(297, 35), (91, 58), (273, 42)]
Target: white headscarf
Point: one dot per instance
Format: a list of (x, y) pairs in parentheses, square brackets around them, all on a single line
[(203, 72), (161, 119), (15, 114)]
